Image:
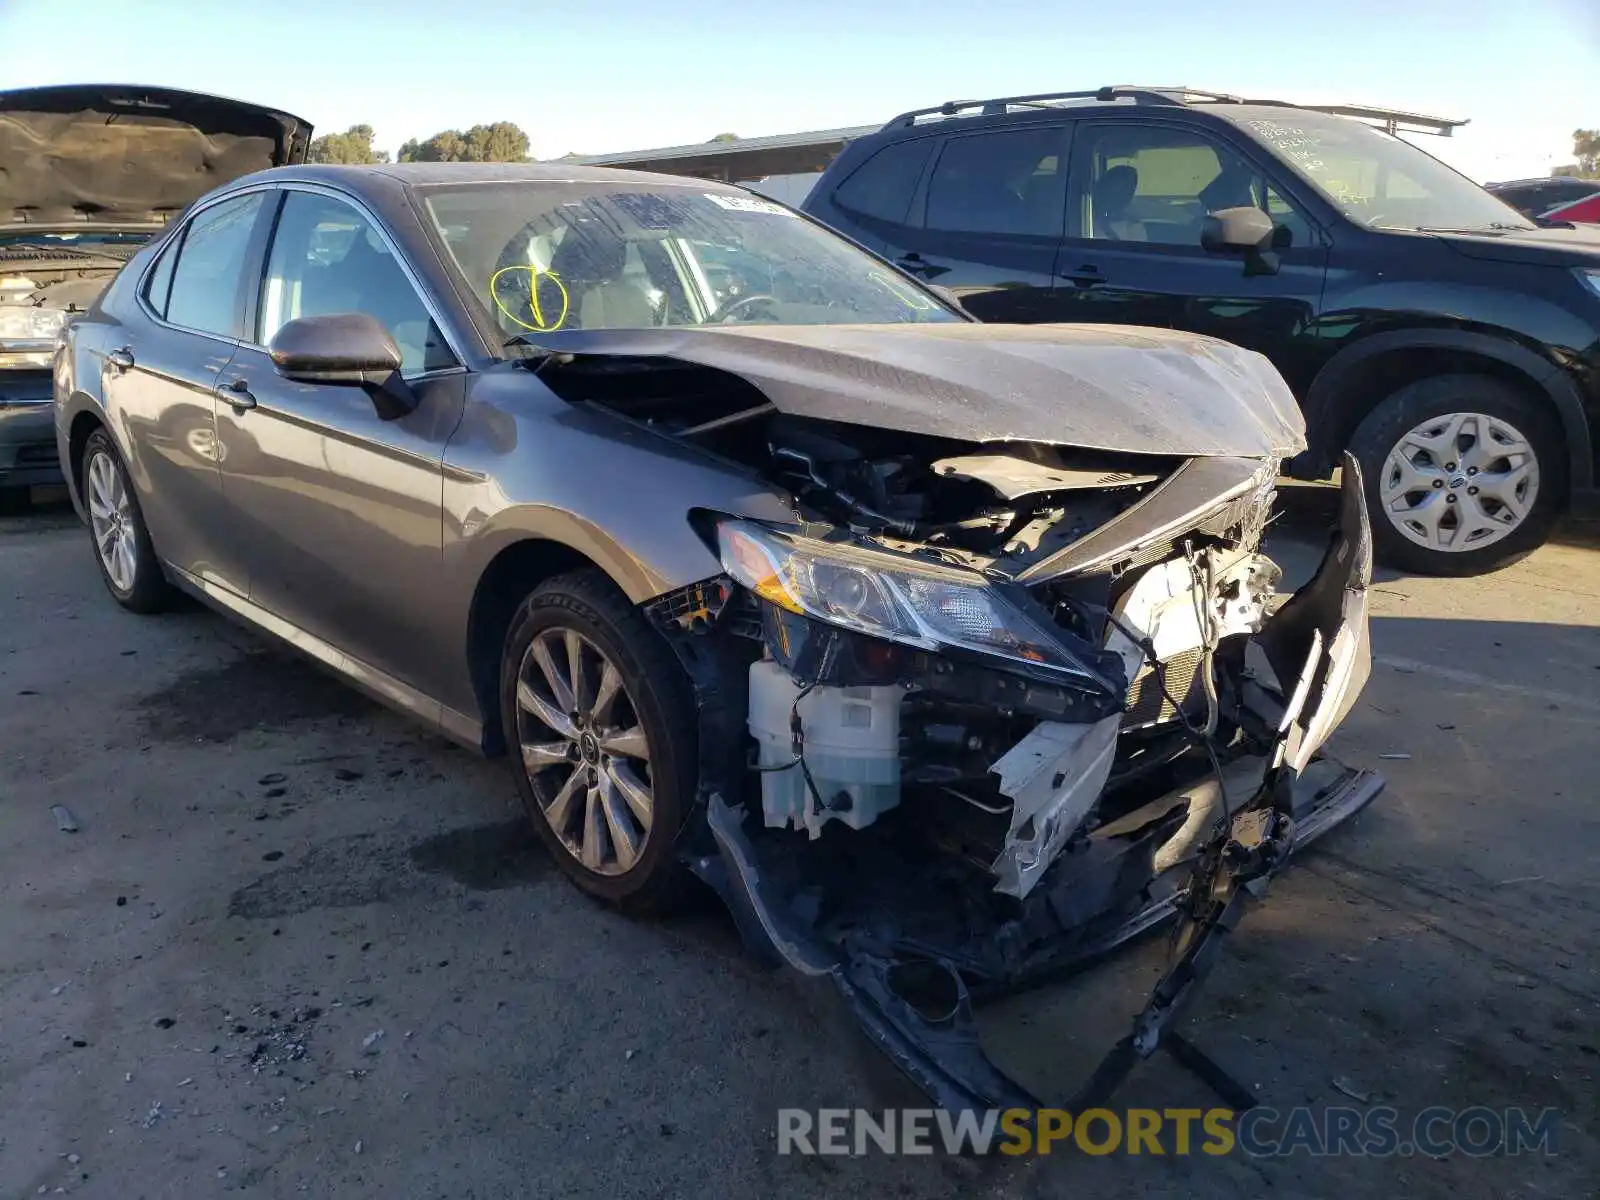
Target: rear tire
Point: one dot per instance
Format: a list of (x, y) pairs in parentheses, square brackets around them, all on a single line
[(1465, 474), (605, 756), (122, 547)]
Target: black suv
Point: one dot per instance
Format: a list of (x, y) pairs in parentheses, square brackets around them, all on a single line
[(1447, 340)]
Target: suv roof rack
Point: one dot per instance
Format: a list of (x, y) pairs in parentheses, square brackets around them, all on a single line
[(1393, 120)]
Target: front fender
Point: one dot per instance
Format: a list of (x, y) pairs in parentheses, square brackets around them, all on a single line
[(524, 465), (1332, 389)]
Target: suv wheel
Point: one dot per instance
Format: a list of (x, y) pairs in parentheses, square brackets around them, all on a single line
[(1464, 475), (601, 726)]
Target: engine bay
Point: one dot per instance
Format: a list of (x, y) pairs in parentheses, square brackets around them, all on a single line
[(998, 764)]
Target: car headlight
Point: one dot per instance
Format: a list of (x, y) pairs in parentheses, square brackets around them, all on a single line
[(29, 327), (28, 334), (1590, 279), (885, 596)]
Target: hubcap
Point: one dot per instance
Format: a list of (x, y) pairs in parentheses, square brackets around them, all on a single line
[(585, 750), (1460, 482), (112, 522)]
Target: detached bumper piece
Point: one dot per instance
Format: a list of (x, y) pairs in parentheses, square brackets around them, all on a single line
[(910, 961)]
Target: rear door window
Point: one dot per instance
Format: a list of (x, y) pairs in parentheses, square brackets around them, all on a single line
[(1010, 181), (206, 291), (882, 186), (160, 283)]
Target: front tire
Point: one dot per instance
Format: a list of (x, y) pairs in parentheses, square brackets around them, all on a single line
[(122, 547), (1464, 475), (601, 726)]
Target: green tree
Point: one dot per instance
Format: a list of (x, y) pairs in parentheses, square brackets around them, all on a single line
[(726, 137), (500, 142), (354, 145), (1586, 149)]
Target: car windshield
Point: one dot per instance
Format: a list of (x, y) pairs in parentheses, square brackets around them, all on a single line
[(547, 256), (1379, 180)]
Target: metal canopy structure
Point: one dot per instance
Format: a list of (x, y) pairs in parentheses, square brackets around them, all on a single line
[(738, 161), (746, 160)]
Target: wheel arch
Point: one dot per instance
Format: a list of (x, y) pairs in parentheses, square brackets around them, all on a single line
[(84, 423), (514, 571), (1361, 376)]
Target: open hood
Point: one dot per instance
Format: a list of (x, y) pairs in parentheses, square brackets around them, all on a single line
[(1098, 387), (105, 153)]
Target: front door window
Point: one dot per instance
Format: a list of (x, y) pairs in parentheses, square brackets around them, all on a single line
[(1146, 184), (327, 258)]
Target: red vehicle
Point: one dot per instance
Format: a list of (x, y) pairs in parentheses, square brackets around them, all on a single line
[(1585, 211)]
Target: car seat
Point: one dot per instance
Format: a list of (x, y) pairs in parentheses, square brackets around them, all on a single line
[(1113, 192), (590, 265), (1234, 187), (367, 279)]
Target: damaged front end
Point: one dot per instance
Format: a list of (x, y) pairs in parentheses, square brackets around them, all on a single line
[(1025, 777), (992, 706)]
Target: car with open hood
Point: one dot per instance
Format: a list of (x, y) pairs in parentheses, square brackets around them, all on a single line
[(945, 653), (91, 172)]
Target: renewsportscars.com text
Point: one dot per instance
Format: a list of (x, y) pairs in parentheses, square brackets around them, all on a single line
[(1377, 1132)]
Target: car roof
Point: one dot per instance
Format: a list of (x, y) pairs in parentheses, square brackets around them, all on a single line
[(383, 177), (1194, 112)]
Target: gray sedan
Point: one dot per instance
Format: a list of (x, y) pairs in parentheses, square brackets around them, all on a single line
[(941, 651)]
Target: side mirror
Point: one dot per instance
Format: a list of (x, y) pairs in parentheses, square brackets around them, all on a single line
[(345, 348), (350, 349), (1246, 229), (949, 297), (1242, 228)]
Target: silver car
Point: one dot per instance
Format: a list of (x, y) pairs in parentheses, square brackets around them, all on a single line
[(940, 650)]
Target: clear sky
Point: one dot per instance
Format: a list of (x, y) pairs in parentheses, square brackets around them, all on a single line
[(598, 75)]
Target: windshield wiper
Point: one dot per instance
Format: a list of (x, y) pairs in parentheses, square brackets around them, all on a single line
[(1492, 227), (57, 248)]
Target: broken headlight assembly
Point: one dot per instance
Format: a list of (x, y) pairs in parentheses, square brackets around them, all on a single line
[(884, 595)]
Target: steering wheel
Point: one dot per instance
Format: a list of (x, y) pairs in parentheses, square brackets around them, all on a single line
[(727, 310)]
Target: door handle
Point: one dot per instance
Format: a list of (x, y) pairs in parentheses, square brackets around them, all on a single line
[(120, 359), (915, 263), (237, 394), (1084, 275)]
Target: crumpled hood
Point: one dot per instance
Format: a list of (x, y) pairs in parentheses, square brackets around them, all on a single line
[(85, 153), (1100, 387)]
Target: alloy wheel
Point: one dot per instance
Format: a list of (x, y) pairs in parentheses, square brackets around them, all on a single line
[(1459, 482), (583, 744), (112, 521)]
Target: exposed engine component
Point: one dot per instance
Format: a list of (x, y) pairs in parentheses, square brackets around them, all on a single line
[(64, 291), (1015, 477), (1054, 776), (824, 753)]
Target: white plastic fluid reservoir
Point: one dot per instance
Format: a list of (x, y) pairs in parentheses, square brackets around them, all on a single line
[(851, 747)]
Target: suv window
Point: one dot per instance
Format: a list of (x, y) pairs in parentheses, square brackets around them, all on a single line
[(1010, 181), (205, 290), (326, 258), (882, 186), (1145, 184)]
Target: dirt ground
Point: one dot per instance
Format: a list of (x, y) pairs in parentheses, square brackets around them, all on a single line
[(299, 947)]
